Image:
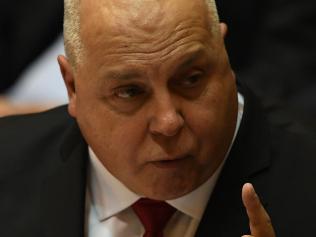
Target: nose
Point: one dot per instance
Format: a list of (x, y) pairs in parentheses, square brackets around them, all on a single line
[(166, 120)]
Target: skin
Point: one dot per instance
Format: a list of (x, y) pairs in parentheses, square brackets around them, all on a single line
[(154, 95), (259, 220)]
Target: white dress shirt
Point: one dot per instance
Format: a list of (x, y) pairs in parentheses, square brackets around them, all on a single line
[(108, 211)]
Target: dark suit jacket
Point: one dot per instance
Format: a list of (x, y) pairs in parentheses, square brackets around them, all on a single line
[(43, 173)]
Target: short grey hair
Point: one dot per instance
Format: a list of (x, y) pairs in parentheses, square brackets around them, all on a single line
[(212, 8), (72, 39)]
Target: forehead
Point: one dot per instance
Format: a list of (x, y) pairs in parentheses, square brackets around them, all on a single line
[(139, 20), (142, 12)]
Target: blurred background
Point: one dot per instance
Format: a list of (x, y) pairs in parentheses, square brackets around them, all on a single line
[(30, 41), (271, 46), (272, 49)]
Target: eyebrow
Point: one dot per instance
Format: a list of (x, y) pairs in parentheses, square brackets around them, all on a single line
[(123, 75), (190, 59), (130, 74)]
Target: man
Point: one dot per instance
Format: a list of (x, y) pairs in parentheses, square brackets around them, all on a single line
[(154, 115)]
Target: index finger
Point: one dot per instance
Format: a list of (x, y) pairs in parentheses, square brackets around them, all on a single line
[(259, 220)]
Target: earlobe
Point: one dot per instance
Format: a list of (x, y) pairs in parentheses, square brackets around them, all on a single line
[(224, 29), (69, 80)]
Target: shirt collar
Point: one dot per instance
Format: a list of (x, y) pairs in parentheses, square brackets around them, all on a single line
[(194, 203), (110, 196)]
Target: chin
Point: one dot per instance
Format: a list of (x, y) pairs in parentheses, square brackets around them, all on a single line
[(167, 191)]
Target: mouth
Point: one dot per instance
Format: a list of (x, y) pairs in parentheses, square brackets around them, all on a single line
[(172, 162)]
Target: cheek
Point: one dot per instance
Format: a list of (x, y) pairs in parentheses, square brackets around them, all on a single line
[(206, 129), (115, 141), (201, 117), (212, 122), (127, 138), (119, 136), (108, 132)]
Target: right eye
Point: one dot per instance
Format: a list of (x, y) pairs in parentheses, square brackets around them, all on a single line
[(129, 92)]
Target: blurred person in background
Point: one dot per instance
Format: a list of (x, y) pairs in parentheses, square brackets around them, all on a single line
[(30, 41), (272, 49)]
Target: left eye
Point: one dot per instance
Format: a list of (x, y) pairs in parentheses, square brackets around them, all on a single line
[(128, 92), (192, 79)]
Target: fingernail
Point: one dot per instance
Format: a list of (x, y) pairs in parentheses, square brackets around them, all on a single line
[(253, 191)]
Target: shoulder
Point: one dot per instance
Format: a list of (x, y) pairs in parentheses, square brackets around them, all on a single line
[(289, 144), (290, 180), (293, 147), (23, 129), (285, 154), (286, 150), (26, 140)]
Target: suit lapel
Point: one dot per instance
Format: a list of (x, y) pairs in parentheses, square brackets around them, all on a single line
[(248, 160), (63, 192)]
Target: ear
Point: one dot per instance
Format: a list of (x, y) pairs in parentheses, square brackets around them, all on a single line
[(224, 29), (69, 80)]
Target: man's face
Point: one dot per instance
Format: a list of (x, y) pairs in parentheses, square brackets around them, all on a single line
[(154, 97)]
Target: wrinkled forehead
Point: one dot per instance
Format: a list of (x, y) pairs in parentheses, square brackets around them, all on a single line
[(136, 18)]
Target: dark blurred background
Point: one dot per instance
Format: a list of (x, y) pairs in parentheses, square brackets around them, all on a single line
[(272, 47), (27, 28)]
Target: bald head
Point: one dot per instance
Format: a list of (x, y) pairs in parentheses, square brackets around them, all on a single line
[(119, 15)]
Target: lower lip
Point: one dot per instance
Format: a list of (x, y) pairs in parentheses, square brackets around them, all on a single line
[(171, 163)]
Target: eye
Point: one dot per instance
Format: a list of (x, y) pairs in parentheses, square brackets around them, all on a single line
[(129, 92), (192, 79)]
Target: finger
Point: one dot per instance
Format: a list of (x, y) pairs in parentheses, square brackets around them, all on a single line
[(259, 220)]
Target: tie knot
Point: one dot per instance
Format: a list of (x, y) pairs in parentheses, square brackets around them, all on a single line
[(153, 214)]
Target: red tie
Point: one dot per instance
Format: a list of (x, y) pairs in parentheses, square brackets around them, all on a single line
[(154, 215)]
